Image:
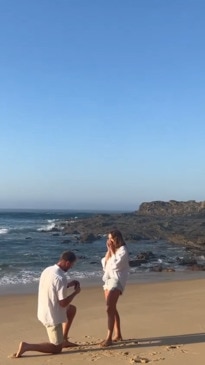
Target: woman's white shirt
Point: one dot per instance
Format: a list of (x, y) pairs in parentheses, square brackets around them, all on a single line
[(117, 266)]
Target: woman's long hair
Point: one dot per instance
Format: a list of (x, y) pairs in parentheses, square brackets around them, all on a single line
[(117, 238)]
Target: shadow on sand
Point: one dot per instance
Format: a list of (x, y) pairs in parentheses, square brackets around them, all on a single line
[(184, 339), (190, 338), (130, 343)]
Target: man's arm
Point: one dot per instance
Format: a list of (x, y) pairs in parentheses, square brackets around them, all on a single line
[(74, 283), (64, 302)]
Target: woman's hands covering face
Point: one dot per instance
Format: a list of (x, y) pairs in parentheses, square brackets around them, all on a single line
[(110, 245)]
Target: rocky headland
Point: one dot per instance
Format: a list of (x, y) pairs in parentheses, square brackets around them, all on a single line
[(175, 222)]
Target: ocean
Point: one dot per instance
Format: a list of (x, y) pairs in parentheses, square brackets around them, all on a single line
[(28, 244)]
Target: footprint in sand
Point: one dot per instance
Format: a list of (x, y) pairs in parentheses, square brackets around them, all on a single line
[(125, 353), (95, 358), (138, 359), (159, 359), (173, 347)]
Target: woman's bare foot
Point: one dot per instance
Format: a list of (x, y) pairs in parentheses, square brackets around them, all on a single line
[(117, 339), (67, 343), (106, 343)]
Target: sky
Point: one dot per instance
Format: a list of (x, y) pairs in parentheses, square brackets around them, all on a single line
[(102, 103)]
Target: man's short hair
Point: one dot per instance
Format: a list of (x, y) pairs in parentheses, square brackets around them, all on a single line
[(68, 256)]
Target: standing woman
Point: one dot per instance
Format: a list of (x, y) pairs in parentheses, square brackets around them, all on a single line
[(116, 268)]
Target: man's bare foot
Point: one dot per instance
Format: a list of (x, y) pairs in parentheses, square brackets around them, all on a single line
[(67, 343), (106, 343), (117, 339), (22, 348)]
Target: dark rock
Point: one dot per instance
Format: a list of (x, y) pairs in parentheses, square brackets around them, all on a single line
[(173, 221), (157, 268), (160, 268), (88, 237), (137, 262), (196, 267), (147, 255), (186, 261), (66, 241), (54, 229), (169, 269), (172, 207)]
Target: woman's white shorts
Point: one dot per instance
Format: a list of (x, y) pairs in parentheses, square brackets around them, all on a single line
[(112, 284)]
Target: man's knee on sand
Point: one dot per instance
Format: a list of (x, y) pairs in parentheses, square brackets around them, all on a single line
[(55, 335)]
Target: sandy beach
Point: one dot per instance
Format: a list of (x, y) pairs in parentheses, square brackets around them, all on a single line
[(162, 323)]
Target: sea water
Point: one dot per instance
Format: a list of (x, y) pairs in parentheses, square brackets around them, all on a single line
[(28, 244)]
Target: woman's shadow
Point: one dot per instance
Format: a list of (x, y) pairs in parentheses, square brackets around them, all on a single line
[(130, 343)]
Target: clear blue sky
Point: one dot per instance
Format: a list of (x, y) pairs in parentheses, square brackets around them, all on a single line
[(102, 103)]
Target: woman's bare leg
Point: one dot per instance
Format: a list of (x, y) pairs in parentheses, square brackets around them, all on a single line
[(111, 298), (117, 329)]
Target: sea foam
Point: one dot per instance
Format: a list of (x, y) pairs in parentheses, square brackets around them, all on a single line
[(4, 230)]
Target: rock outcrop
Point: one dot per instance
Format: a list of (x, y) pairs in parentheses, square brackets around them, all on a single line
[(176, 222), (172, 207)]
